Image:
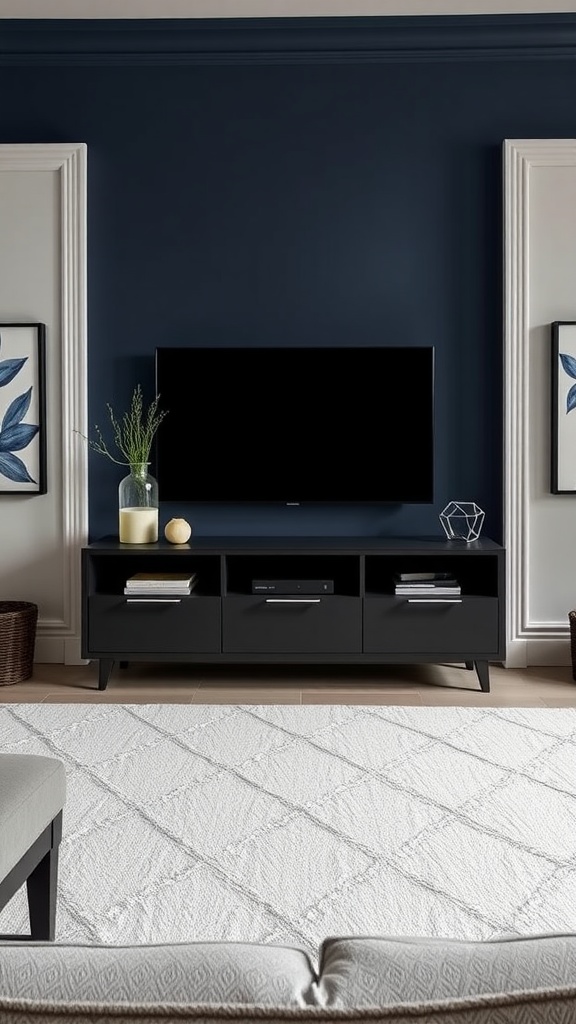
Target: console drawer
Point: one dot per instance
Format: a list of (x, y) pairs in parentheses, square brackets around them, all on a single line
[(428, 626), (282, 625), (188, 625)]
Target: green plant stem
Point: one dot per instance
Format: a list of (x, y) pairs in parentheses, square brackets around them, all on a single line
[(133, 434)]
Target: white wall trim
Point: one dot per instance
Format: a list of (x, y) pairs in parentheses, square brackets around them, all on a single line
[(522, 633), (59, 640)]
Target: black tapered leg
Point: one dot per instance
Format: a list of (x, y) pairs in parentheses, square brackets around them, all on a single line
[(104, 670), (469, 665), (42, 887), (38, 867), (483, 675)]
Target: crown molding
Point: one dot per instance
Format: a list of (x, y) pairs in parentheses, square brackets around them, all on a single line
[(362, 40)]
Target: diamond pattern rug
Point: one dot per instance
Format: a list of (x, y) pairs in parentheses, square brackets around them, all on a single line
[(286, 824)]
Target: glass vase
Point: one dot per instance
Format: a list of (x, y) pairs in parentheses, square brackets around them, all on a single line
[(138, 506)]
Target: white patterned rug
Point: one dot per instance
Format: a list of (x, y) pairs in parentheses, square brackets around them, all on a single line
[(288, 824)]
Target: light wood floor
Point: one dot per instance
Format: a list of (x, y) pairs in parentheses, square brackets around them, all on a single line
[(399, 685)]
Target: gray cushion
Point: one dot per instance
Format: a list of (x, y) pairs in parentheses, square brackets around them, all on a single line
[(32, 793), (186, 973), (373, 971), (42, 982), (542, 1007)]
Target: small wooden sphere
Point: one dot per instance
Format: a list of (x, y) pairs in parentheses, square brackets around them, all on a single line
[(177, 531)]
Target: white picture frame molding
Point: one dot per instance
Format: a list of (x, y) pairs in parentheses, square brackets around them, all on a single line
[(59, 639), (528, 641)]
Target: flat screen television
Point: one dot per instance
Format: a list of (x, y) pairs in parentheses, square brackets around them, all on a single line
[(296, 425)]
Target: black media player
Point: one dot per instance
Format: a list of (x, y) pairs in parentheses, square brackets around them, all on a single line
[(292, 586)]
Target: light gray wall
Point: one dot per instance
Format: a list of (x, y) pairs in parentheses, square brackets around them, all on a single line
[(540, 287), (30, 552), (42, 279)]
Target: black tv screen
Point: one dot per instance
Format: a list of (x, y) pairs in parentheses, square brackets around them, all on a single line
[(296, 424)]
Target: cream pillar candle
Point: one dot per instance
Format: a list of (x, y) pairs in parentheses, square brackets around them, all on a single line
[(138, 525)]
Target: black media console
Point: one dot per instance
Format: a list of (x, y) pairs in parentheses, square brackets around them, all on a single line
[(361, 622)]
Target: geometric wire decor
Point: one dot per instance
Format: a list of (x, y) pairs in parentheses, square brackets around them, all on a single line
[(462, 520)]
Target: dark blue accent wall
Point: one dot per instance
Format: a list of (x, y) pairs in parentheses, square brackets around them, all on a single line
[(313, 181)]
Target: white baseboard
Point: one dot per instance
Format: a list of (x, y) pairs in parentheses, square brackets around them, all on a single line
[(541, 653), (49, 649), (549, 652), (56, 650), (516, 654), (72, 654)]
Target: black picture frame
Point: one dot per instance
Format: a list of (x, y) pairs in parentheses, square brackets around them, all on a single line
[(23, 408)]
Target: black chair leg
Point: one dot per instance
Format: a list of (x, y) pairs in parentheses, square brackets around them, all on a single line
[(482, 671), (42, 886)]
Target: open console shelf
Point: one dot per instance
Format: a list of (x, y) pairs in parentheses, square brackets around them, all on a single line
[(357, 619)]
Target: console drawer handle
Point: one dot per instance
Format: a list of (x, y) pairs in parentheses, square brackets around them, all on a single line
[(434, 600), (293, 600), (153, 600)]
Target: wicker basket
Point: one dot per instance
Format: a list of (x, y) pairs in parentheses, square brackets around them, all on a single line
[(17, 639)]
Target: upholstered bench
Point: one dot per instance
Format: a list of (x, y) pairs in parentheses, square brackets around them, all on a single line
[(517, 980), (32, 796)]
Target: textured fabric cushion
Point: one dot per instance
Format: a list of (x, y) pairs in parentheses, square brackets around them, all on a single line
[(360, 972), (42, 982), (556, 1007), (203, 972), (32, 793)]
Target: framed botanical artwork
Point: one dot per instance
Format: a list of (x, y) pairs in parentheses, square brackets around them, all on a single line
[(22, 408)]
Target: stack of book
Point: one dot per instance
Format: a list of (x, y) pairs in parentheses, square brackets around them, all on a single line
[(152, 584), (426, 584)]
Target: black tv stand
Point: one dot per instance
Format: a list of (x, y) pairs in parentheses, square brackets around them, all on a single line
[(362, 622)]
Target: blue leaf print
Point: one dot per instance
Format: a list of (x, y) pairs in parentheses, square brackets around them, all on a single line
[(17, 409), (9, 368), (13, 468), (571, 399), (17, 437), (14, 434)]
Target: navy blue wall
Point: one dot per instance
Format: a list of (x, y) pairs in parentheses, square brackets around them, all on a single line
[(308, 201)]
